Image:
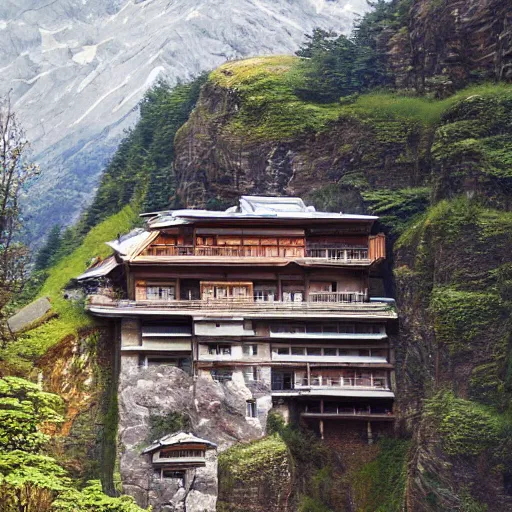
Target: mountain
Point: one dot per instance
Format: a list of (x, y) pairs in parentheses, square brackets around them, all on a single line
[(77, 70)]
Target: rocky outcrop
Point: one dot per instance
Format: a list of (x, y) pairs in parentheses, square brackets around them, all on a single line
[(448, 43), (213, 411), (215, 163), (451, 230)]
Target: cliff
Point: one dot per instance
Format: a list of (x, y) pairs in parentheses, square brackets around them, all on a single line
[(445, 44), (437, 171)]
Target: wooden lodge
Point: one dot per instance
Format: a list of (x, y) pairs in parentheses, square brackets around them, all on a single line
[(269, 293)]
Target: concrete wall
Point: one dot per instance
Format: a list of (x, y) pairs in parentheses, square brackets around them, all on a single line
[(223, 328)]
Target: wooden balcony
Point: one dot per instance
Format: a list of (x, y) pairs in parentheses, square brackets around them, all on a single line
[(332, 254)]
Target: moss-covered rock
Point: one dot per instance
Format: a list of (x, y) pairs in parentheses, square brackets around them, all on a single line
[(256, 477)]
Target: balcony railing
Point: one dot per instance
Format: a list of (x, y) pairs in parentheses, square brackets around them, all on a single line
[(338, 254), (336, 297), (378, 383), (344, 411)]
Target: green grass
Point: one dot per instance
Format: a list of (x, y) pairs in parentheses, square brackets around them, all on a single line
[(269, 108), (71, 318), (252, 460)]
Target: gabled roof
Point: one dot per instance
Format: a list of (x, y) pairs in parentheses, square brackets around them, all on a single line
[(133, 243), (100, 269), (181, 438)]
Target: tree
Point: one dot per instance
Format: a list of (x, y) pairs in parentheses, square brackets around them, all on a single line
[(30, 480), (46, 255), (15, 172), (336, 65)]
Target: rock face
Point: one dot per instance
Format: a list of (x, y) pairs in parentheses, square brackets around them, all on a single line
[(451, 258), (214, 411), (215, 159), (77, 70), (450, 42)]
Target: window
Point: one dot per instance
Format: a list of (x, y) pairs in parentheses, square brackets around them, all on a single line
[(178, 454), (330, 351), (331, 328), (314, 351), (293, 296), (314, 328), (162, 361), (221, 375), (298, 351), (250, 350), (169, 474), (219, 350), (264, 293), (252, 410), (160, 292), (283, 351), (252, 374)]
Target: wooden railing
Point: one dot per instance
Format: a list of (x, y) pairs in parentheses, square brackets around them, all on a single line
[(378, 383), (346, 411), (336, 297), (338, 254)]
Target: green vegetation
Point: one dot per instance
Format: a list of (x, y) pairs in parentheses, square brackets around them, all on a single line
[(339, 65), (269, 107), (142, 171), (160, 426), (461, 316), (30, 480), (253, 461), (397, 209), (20, 354), (466, 428), (379, 486)]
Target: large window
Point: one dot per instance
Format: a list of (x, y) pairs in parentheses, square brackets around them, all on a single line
[(221, 290), (251, 374), (178, 454), (327, 328), (170, 474)]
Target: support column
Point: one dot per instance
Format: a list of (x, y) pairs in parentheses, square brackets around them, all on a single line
[(308, 369), (370, 434), (322, 429)]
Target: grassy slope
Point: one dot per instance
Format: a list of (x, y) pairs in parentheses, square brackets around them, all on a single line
[(269, 108), (20, 355)]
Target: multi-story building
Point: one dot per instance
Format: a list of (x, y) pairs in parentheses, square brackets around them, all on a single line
[(270, 294)]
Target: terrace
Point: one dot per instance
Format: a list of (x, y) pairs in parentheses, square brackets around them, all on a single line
[(103, 305)]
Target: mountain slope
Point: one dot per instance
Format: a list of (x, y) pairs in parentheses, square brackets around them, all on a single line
[(78, 69)]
